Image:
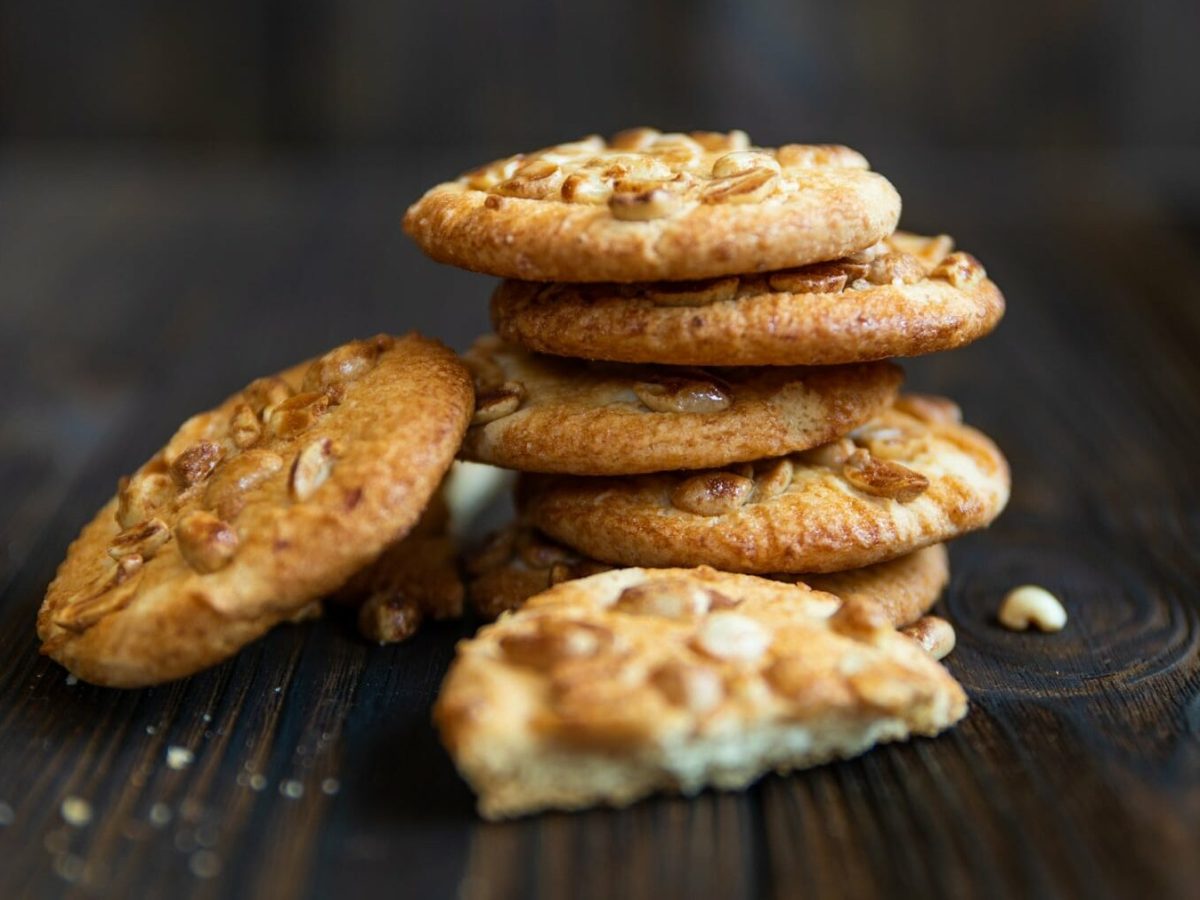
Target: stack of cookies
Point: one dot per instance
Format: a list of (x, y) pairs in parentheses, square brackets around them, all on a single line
[(690, 370), (730, 518)]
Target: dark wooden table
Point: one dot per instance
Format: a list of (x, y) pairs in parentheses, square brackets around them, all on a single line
[(134, 291)]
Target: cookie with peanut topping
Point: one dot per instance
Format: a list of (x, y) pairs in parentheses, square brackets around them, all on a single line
[(914, 476), (648, 206), (630, 682), (539, 413), (518, 561), (905, 296), (254, 509)]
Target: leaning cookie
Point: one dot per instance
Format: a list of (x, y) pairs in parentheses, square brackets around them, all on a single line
[(606, 689), (913, 477), (544, 414), (648, 206), (256, 508), (906, 296), (517, 562)]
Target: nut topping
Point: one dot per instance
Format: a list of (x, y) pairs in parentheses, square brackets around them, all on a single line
[(732, 637), (889, 441), (226, 492), (312, 467), (712, 493), (776, 477), (498, 402), (244, 426), (929, 250), (960, 269), (196, 463), (1032, 605), (694, 688), (682, 395), (742, 161), (862, 620), (341, 365), (553, 642), (388, 617), (883, 478), (266, 393), (111, 593), (693, 293), (141, 496), (586, 187), (298, 413), (671, 598), (756, 184), (834, 454), (933, 635), (895, 268), (141, 540), (205, 542), (642, 206), (802, 156)]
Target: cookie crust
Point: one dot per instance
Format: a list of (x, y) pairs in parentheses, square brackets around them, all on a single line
[(927, 299), (648, 206), (544, 414), (898, 484), (254, 509), (606, 689)]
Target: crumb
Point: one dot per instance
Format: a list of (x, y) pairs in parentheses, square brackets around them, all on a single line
[(258, 782), (331, 786), (76, 811), (179, 757), (160, 815), (292, 789)]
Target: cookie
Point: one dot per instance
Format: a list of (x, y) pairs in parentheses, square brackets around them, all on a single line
[(545, 414), (606, 689), (648, 206), (912, 477), (905, 296), (518, 561), (413, 580), (255, 508)]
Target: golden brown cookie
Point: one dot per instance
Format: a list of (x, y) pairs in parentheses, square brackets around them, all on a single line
[(254, 509), (648, 206), (545, 414), (518, 561), (905, 296), (606, 689), (414, 579), (913, 477)]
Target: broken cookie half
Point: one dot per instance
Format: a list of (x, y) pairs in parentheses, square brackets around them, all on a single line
[(608, 688)]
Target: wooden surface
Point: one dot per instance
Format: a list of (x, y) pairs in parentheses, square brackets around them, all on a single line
[(135, 291)]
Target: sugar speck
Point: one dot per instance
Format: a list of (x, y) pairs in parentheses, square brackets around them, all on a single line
[(160, 815), (205, 864), (76, 811), (292, 789)]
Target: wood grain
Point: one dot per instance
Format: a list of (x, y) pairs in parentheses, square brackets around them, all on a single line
[(1076, 774)]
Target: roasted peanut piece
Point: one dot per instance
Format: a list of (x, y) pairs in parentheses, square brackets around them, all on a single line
[(682, 395), (693, 293), (670, 598), (142, 540), (244, 426), (929, 409), (552, 642), (834, 454), (960, 269), (642, 206), (882, 478), (1032, 605), (206, 543), (732, 637), (712, 493), (344, 364), (933, 634), (774, 479), (312, 467), (693, 688), (298, 413), (196, 463), (141, 496), (499, 402)]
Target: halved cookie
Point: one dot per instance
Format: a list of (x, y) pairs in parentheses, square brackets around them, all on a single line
[(544, 414), (606, 689), (648, 206), (255, 508), (905, 296), (518, 561), (913, 477)]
